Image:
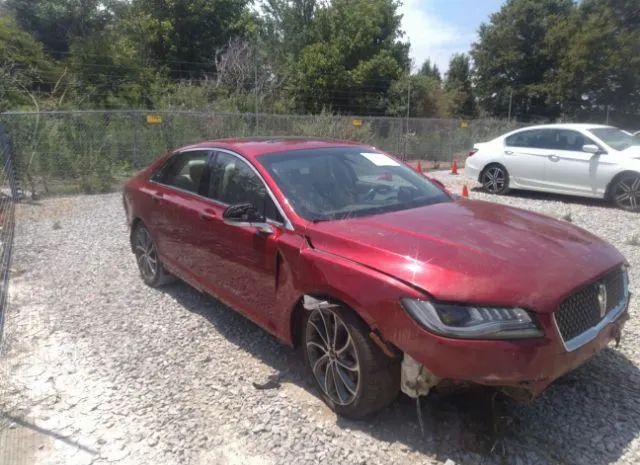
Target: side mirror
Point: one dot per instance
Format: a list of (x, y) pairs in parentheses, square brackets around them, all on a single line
[(592, 148), (245, 215)]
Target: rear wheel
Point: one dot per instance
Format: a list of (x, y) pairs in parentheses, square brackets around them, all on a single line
[(149, 265), (625, 192), (495, 179), (354, 376)]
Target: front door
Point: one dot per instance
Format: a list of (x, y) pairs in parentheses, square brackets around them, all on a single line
[(571, 170), (241, 263)]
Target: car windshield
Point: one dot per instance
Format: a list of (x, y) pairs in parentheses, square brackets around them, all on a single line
[(615, 138), (345, 182)]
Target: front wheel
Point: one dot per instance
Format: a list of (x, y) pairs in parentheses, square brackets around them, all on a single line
[(625, 193), (354, 376), (495, 179)]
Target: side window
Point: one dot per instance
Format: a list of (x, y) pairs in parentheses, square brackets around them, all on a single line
[(565, 139), (535, 138), (184, 171), (232, 181)]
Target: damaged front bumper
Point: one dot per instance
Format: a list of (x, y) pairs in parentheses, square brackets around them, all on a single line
[(521, 369)]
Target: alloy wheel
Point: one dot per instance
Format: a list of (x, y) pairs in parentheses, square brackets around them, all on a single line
[(493, 179), (146, 254), (627, 193), (332, 356)]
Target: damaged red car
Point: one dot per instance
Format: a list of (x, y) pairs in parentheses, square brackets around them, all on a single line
[(382, 278)]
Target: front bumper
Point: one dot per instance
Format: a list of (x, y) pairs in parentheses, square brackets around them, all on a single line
[(526, 366)]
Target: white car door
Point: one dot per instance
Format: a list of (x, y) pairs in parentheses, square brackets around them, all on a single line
[(571, 170), (525, 158)]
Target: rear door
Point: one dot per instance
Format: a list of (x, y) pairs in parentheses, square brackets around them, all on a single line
[(525, 156), (177, 192), (571, 170)]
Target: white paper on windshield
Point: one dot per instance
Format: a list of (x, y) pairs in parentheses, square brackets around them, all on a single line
[(379, 159)]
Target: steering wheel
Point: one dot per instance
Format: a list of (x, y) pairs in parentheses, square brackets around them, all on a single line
[(378, 189)]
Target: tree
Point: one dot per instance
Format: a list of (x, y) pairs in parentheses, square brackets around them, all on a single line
[(25, 70), (597, 49), (429, 69), (458, 87), (56, 23), (184, 34), (356, 55), (510, 57), (426, 98)]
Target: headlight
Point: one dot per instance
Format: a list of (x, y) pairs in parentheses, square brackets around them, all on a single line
[(470, 322)]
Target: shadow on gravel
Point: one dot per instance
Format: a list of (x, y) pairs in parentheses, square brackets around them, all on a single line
[(569, 199), (589, 416)]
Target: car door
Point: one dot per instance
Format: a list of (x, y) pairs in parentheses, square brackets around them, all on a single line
[(241, 262), (176, 189), (571, 170), (525, 158)]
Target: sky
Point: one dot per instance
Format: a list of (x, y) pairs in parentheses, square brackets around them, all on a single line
[(439, 28)]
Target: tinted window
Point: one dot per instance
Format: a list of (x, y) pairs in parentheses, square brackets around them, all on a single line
[(535, 138), (184, 171), (233, 181), (565, 139), (337, 183)]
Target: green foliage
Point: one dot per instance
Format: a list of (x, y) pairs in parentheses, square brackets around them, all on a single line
[(184, 35), (425, 98), (459, 89), (511, 56), (23, 66), (597, 49), (356, 55), (430, 69), (56, 23)]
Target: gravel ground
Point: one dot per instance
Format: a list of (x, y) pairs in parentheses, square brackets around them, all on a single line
[(98, 368)]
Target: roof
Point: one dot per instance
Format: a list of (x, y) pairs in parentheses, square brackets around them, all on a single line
[(256, 146), (567, 126)]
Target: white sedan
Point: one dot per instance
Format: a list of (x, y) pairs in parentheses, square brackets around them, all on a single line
[(577, 159)]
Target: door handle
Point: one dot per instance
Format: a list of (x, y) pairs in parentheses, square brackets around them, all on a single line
[(207, 215), (553, 157), (156, 196), (508, 152)]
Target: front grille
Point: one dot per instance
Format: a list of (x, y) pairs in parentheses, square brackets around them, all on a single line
[(581, 311)]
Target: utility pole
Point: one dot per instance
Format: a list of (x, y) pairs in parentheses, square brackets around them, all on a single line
[(607, 116), (406, 132), (510, 102), (255, 85)]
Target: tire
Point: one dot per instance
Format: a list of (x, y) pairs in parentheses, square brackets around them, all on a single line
[(367, 379), (495, 179), (625, 192), (150, 267)]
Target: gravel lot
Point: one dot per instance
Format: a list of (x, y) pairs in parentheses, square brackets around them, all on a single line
[(98, 368)]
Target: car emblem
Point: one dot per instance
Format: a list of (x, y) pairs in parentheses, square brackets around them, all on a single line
[(602, 299)]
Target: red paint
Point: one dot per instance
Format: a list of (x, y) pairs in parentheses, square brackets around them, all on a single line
[(463, 251)]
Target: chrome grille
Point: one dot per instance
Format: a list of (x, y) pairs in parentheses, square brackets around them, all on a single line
[(581, 311)]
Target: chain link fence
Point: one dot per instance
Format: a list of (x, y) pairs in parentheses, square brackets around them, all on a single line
[(94, 151), (9, 194)]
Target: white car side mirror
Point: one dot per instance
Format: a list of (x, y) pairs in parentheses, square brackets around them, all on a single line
[(591, 148)]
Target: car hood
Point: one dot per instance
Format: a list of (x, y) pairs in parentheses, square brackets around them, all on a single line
[(474, 252)]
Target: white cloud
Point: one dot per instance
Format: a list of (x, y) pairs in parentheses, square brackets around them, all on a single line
[(431, 37)]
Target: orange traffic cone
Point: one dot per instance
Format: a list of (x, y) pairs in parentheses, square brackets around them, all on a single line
[(419, 168), (454, 167), (465, 191)]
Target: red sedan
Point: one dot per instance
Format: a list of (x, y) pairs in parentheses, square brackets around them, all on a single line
[(384, 279)]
